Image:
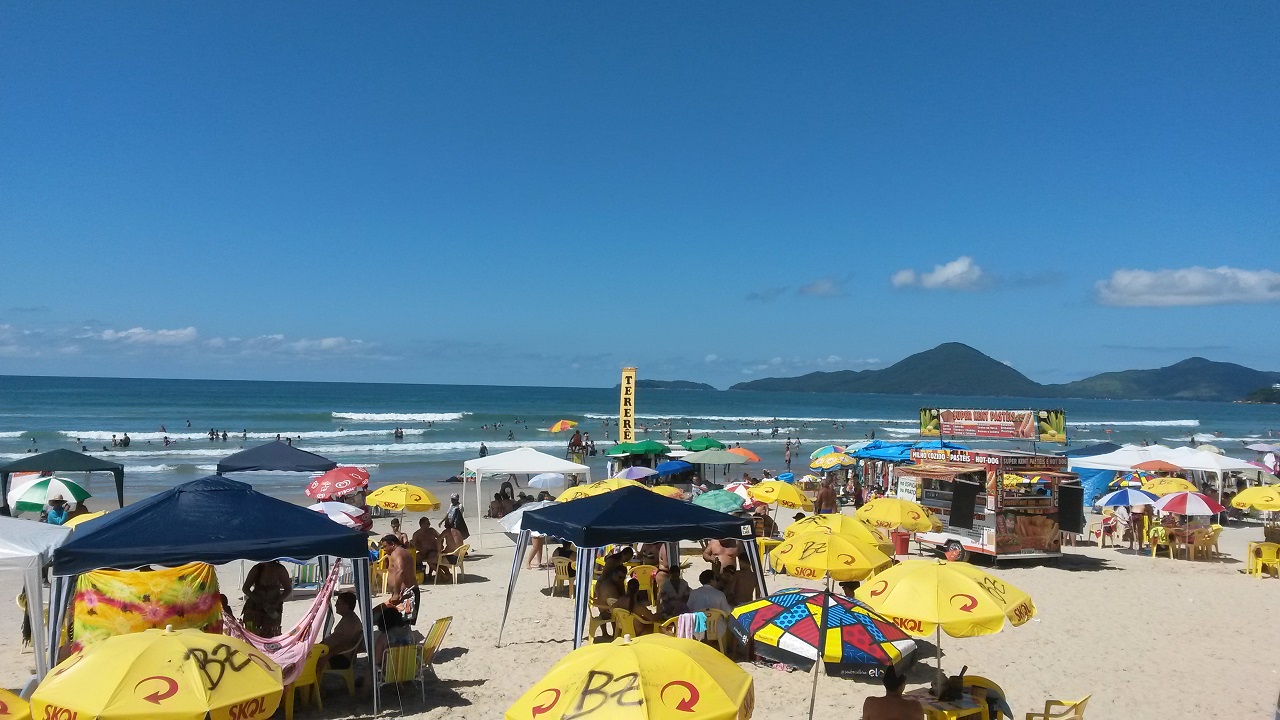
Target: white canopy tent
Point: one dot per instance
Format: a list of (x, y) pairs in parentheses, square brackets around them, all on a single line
[(27, 546), (524, 460), (1187, 458)]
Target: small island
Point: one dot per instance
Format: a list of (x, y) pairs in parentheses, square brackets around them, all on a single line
[(670, 385)]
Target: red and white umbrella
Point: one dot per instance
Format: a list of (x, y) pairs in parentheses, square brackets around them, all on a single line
[(740, 489), (341, 513), (338, 482), (1186, 502)]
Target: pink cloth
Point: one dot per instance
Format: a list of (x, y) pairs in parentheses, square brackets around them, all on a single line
[(290, 650)]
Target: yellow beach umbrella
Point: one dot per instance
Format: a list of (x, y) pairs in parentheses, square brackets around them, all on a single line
[(841, 525), (1262, 497), (670, 491), (831, 461), (574, 493), (162, 675), (822, 554), (1162, 486), (604, 486), (653, 677), (13, 707), (402, 496), (784, 494), (893, 513), (936, 596), (80, 519), (562, 425)]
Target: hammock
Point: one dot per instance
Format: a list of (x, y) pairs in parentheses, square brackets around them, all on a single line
[(290, 650)]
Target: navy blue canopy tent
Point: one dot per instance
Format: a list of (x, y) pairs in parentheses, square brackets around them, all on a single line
[(628, 515), (275, 456), (214, 520), (61, 460)]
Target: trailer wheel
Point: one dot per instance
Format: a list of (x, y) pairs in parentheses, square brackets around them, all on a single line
[(955, 552)]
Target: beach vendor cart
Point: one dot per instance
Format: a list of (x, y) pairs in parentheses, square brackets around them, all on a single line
[(1000, 503)]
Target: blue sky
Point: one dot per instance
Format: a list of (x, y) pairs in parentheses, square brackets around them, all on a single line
[(528, 193)]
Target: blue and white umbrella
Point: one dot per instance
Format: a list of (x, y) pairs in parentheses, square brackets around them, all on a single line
[(1128, 496)]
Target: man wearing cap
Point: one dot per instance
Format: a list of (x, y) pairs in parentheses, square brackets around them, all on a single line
[(57, 513)]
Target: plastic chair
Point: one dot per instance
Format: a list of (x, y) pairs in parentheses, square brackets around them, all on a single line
[(418, 575), (1159, 536), (455, 569), (625, 622), (402, 664), (348, 674), (378, 573), (644, 575), (1071, 710), (718, 628), (988, 692), (307, 682), (564, 575), (431, 643), (1266, 558), (595, 623)]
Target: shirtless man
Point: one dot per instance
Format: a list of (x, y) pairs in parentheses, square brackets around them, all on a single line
[(401, 578), (347, 636), (892, 706), (721, 554), (610, 588), (825, 502), (739, 585), (427, 542)]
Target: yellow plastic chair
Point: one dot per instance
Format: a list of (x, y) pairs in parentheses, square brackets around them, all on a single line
[(455, 569), (718, 628), (402, 664), (564, 576), (595, 623), (378, 573), (1159, 536), (644, 575), (431, 643), (988, 692), (348, 674), (1266, 558), (625, 622), (1205, 543), (1071, 710), (418, 575), (307, 682)]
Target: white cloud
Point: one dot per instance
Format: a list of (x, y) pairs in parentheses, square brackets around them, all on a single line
[(824, 287), (143, 336), (710, 358), (959, 274), (1189, 286)]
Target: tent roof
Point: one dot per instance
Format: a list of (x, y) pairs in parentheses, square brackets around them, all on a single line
[(523, 460), (61, 460), (277, 456), (214, 520), (632, 515), (24, 542)]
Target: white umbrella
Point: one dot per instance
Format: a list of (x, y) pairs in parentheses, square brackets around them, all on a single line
[(512, 521), (341, 513), (549, 481), (33, 494)]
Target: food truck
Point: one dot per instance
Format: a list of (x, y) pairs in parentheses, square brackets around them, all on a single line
[(1001, 503)]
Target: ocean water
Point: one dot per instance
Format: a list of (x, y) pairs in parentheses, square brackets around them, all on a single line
[(352, 423)]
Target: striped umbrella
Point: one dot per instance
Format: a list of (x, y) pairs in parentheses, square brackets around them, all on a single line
[(741, 489), (825, 450), (562, 425), (34, 494), (1126, 497), (1188, 503)]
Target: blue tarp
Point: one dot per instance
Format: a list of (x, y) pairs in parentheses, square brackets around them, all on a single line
[(275, 456), (1094, 482), (900, 451), (214, 520), (673, 467), (632, 515)]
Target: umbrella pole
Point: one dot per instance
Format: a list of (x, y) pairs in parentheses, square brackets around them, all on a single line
[(822, 645), (937, 646)]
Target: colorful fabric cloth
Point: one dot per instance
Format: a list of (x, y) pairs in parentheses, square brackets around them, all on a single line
[(116, 602), (290, 650)]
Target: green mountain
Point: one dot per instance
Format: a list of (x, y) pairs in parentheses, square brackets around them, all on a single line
[(1192, 379), (1269, 395), (957, 369), (670, 385), (949, 369)]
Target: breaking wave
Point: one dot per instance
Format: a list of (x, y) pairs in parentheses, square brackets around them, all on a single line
[(399, 417), (1140, 423)]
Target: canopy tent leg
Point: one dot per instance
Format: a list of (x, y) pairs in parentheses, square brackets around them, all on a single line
[(582, 587), (61, 591), (35, 615), (325, 563), (522, 540), (753, 555), (364, 595)]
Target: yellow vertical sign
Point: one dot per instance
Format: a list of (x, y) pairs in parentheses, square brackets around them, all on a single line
[(627, 407)]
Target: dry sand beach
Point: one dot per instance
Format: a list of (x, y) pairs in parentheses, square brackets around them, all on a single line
[(1149, 638)]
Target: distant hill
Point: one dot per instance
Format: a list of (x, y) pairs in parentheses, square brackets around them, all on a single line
[(1270, 395), (670, 385), (957, 369)]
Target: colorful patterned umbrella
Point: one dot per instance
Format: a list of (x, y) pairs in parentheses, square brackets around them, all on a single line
[(825, 450), (1188, 503), (337, 482), (855, 639), (831, 461), (1130, 479), (562, 425)]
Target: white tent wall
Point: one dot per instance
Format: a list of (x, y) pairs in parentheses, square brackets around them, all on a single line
[(27, 546), (523, 460)]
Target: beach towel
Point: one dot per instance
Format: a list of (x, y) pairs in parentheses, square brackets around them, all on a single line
[(290, 650), (116, 602), (692, 626)]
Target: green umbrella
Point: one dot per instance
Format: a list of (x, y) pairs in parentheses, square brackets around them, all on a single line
[(644, 447), (714, 457), (32, 495), (702, 443), (720, 501)]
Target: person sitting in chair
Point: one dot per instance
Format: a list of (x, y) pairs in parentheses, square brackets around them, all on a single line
[(892, 706), (347, 637)]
